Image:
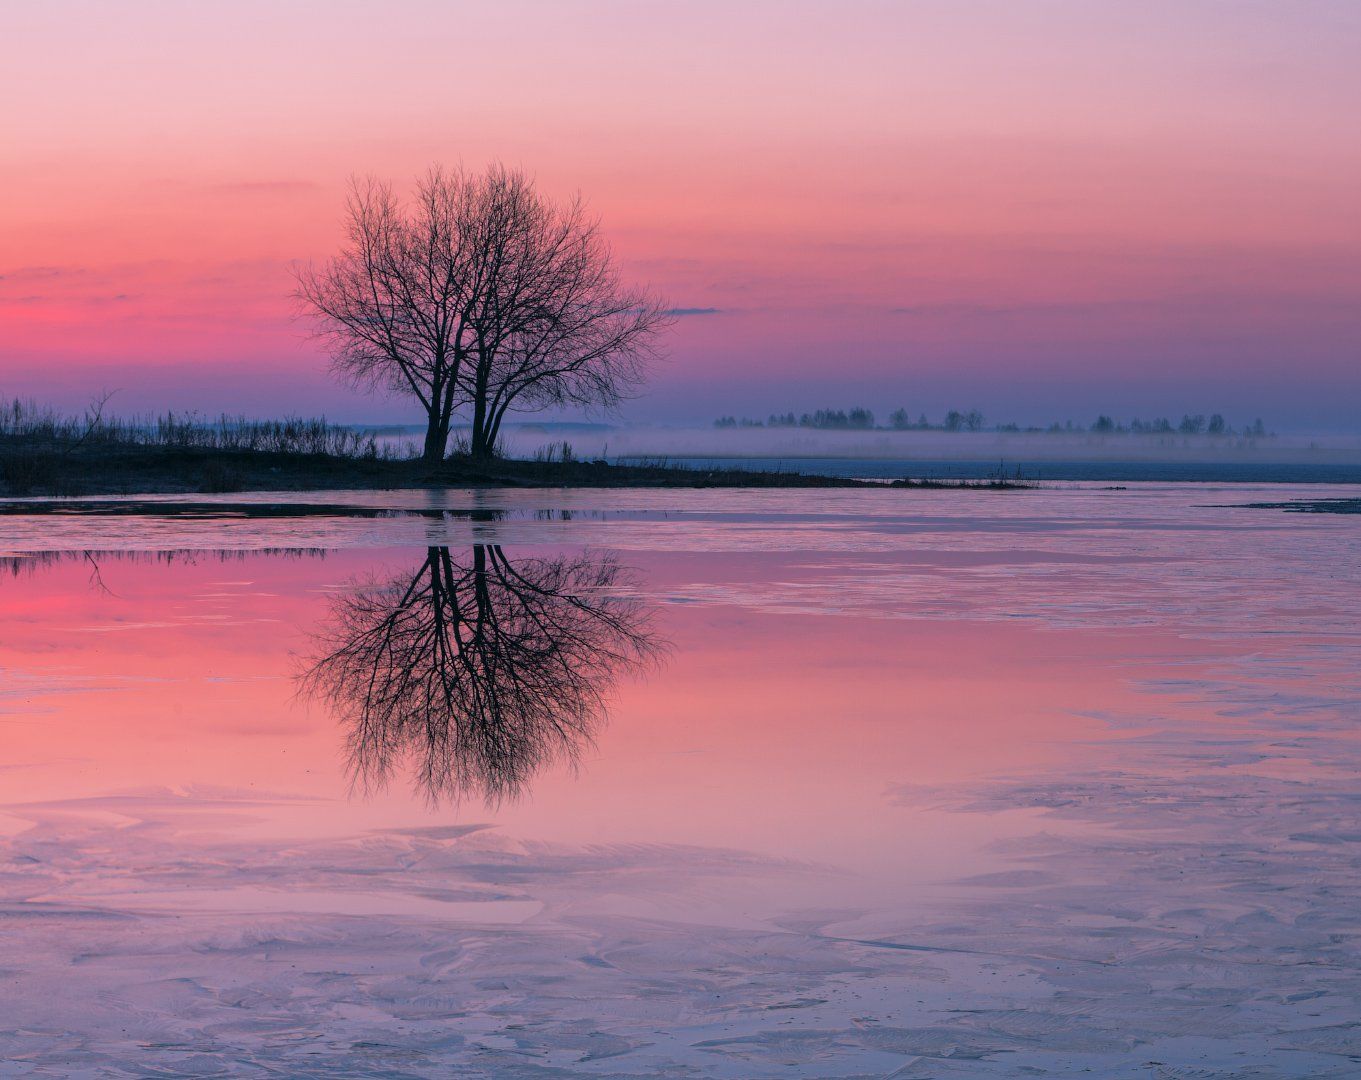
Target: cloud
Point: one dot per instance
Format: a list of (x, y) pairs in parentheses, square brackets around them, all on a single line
[(969, 309), (683, 312), (1187, 303), (39, 273), (93, 300), (265, 187)]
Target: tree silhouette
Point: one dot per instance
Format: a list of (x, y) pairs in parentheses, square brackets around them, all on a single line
[(479, 295), (556, 326), (477, 674)]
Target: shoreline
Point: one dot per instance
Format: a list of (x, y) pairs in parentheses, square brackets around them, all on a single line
[(53, 470)]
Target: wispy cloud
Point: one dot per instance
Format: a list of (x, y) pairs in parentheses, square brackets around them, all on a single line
[(265, 187), (684, 312), (39, 273), (94, 300)]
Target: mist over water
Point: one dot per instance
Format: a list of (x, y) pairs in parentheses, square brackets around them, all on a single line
[(1077, 456)]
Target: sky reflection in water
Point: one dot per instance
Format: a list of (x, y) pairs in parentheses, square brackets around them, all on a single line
[(838, 783)]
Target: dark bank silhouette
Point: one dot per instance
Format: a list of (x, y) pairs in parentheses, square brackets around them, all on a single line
[(477, 673)]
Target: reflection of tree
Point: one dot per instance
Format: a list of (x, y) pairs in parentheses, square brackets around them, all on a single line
[(29, 563), (478, 673)]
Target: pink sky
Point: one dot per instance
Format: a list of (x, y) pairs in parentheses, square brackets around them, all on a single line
[(1043, 210)]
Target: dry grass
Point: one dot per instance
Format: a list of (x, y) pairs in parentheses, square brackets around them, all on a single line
[(40, 426)]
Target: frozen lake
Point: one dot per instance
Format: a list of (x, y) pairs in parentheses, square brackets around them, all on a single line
[(635, 783)]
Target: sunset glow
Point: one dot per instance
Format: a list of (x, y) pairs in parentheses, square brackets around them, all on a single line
[(1042, 210), (590, 538)]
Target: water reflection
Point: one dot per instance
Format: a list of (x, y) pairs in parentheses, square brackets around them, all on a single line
[(475, 672), (472, 671)]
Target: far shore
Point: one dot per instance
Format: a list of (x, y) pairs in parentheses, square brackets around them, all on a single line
[(29, 469)]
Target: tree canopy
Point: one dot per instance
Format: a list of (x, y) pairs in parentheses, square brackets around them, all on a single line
[(480, 296)]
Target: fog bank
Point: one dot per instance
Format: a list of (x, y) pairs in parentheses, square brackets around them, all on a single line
[(775, 444)]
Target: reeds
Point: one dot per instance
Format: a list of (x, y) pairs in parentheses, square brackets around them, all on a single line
[(41, 425)]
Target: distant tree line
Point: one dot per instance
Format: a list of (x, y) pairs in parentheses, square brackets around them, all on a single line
[(861, 419), (1197, 424), (858, 419)]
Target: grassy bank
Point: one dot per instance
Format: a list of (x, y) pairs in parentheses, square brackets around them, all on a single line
[(29, 470), (45, 454)]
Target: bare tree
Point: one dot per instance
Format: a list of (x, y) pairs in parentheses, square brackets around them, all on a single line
[(484, 296), (393, 305), (476, 672), (556, 325)]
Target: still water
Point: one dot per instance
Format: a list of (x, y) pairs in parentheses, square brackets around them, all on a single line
[(834, 783)]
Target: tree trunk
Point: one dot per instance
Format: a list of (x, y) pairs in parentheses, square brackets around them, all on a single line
[(482, 445), (436, 440), (494, 426)]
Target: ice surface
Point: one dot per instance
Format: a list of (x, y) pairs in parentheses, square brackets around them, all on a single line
[(958, 784)]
